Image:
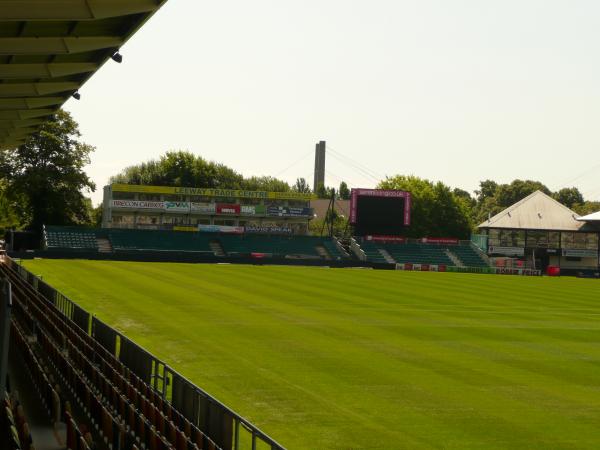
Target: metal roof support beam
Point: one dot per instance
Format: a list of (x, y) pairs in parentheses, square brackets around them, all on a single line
[(35, 89), (73, 9), (16, 114), (17, 133), (30, 102), (54, 70), (14, 124), (56, 45)]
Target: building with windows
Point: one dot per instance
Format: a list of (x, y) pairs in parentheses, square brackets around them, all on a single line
[(543, 232), (204, 209)]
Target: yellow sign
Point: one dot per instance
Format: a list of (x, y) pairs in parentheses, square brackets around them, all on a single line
[(208, 192)]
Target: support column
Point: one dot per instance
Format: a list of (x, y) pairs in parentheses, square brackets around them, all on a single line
[(5, 314)]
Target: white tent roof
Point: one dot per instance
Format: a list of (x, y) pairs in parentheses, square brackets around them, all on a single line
[(537, 211), (594, 217)]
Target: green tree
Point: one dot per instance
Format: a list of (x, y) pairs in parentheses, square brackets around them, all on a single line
[(265, 184), (301, 186), (492, 197), (509, 194), (183, 168), (436, 211), (487, 189), (321, 191), (45, 178), (9, 217), (343, 191), (585, 208), (569, 197)]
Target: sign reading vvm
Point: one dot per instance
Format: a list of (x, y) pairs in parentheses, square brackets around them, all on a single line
[(208, 192)]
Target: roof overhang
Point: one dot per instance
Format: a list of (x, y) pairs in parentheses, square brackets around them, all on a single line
[(594, 217), (50, 48)]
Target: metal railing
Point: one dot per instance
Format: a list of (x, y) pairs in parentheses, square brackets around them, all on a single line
[(224, 426)]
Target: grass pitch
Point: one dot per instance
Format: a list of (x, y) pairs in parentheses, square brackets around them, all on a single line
[(360, 359)]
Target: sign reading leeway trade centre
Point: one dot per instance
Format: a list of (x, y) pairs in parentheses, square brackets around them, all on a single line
[(208, 192)]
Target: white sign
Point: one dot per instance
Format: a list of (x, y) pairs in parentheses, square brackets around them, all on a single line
[(137, 204), (580, 253), (220, 229), (203, 207), (508, 251), (177, 206)]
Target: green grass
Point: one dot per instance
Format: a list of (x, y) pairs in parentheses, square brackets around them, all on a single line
[(359, 359)]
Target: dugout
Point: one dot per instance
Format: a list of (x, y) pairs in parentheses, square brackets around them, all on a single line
[(541, 232)]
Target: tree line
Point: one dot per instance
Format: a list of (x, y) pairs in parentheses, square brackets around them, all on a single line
[(44, 182)]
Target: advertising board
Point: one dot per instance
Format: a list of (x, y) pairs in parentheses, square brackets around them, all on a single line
[(228, 209), (220, 229), (137, 204)]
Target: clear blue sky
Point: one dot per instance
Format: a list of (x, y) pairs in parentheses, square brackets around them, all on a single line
[(457, 91)]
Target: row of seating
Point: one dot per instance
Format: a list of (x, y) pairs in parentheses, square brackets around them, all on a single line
[(160, 240), (15, 430), (72, 238), (420, 253), (468, 256), (282, 246), (123, 407)]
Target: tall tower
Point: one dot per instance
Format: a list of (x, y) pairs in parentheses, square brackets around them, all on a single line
[(319, 178)]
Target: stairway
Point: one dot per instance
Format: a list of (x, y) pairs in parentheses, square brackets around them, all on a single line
[(216, 248), (104, 245), (387, 256), (322, 251), (455, 259)]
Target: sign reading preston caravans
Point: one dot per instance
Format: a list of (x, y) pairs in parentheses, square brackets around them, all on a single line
[(208, 192)]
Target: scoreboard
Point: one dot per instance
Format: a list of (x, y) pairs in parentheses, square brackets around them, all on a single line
[(379, 211)]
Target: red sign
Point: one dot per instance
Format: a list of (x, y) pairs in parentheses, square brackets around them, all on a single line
[(228, 208), (384, 238), (429, 240)]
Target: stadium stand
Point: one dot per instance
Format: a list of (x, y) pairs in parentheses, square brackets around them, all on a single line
[(278, 246), (421, 253), (124, 409), (468, 256), (372, 252), (158, 240), (73, 238)]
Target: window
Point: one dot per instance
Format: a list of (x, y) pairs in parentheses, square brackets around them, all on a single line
[(506, 238), (123, 196), (298, 204), (229, 223), (225, 200), (174, 198), (127, 219), (149, 197), (575, 240), (148, 220), (537, 239)]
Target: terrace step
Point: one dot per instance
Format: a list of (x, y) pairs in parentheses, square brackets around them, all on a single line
[(104, 245), (322, 252), (455, 259), (216, 248), (388, 258)]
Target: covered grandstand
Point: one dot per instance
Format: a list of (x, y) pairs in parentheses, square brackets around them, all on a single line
[(542, 232), (74, 382), (114, 240), (172, 207)]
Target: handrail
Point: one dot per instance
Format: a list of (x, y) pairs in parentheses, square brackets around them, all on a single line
[(69, 305)]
